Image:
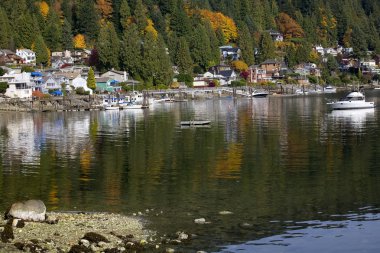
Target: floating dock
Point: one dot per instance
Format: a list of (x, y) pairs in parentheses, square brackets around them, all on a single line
[(195, 123)]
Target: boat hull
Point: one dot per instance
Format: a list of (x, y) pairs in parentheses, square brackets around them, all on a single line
[(348, 105)]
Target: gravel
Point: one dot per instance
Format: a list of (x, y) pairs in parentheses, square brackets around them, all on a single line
[(66, 231)]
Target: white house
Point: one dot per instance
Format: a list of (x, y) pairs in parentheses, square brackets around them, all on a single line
[(120, 76), (80, 82), (20, 86), (27, 55)]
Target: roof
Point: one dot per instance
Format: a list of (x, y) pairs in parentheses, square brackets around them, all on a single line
[(102, 79), (115, 71), (226, 73)]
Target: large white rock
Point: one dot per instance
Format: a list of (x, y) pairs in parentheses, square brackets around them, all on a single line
[(30, 210)]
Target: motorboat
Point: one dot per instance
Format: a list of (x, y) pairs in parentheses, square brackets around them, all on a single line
[(259, 94), (354, 100), (329, 89), (131, 105)]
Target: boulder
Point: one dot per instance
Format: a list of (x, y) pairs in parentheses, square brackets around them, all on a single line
[(30, 210)]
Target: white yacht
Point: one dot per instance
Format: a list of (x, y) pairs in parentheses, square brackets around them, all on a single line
[(354, 100), (329, 89)]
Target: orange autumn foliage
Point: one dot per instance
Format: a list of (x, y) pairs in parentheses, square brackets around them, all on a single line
[(44, 9), (105, 8), (220, 21), (289, 27), (79, 41)]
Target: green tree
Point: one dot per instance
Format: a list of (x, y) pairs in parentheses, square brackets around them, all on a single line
[(200, 47), (183, 58), (125, 14), (25, 30), (87, 20), (67, 35), (108, 47), (266, 48), (53, 32), (245, 44), (140, 15), (164, 72), (42, 52), (214, 44), (131, 51), (149, 64), (6, 35), (91, 83)]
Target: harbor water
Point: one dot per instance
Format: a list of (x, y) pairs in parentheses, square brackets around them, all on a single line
[(275, 174)]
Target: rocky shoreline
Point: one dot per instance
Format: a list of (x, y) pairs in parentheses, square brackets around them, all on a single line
[(79, 232)]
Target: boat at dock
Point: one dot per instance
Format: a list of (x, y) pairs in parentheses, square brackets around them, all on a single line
[(259, 94), (195, 123), (354, 100)]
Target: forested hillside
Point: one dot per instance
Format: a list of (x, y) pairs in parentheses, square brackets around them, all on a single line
[(133, 34)]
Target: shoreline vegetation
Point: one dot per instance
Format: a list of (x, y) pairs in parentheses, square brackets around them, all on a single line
[(79, 232)]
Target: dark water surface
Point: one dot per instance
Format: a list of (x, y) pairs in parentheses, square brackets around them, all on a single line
[(294, 174)]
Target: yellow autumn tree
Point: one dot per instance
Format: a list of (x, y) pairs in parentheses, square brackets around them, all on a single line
[(220, 21), (79, 41), (239, 66), (150, 28), (44, 9)]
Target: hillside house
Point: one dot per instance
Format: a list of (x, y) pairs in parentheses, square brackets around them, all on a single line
[(229, 53), (20, 86), (276, 35), (258, 75), (27, 55), (7, 57), (80, 82)]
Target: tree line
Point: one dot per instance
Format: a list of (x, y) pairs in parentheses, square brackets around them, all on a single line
[(147, 37)]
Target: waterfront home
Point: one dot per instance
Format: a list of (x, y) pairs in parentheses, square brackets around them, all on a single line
[(104, 84), (119, 76), (80, 82), (20, 86), (27, 55), (258, 75), (50, 83), (272, 67)]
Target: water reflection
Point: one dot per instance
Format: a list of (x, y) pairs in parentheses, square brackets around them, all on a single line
[(357, 118), (280, 158), (356, 233)]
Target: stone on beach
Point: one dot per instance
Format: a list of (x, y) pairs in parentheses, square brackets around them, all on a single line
[(30, 210)]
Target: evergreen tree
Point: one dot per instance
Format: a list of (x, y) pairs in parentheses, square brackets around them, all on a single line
[(200, 47), (42, 52), (214, 43), (67, 9), (164, 72), (87, 20), (266, 48), (53, 32), (25, 31), (149, 64), (183, 58), (67, 36), (108, 46), (140, 15), (125, 13), (91, 82), (130, 51), (180, 22), (173, 46), (245, 44), (6, 35)]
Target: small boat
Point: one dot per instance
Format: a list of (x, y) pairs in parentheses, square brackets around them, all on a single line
[(130, 105), (354, 100), (329, 89), (111, 107), (259, 94), (195, 123)]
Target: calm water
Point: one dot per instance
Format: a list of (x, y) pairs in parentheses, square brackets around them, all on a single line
[(296, 176)]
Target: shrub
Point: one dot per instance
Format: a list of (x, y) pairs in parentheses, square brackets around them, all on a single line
[(3, 87)]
